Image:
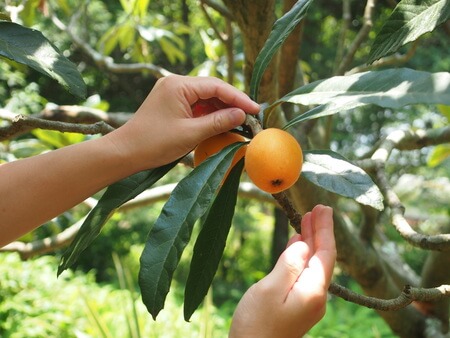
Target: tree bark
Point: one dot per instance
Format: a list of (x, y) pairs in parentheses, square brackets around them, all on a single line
[(255, 20)]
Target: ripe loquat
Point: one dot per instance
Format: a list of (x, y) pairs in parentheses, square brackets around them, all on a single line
[(273, 160), (207, 106), (215, 144)]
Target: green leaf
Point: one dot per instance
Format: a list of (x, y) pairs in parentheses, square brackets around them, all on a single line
[(280, 31), (409, 20), (172, 230), (29, 47), (439, 154), (57, 139), (391, 88), (334, 173), (445, 111), (210, 244), (114, 196)]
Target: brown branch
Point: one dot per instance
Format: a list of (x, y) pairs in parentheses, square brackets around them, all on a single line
[(227, 39), (408, 295), (69, 114), (359, 39), (295, 218), (81, 114), (439, 242), (405, 140), (23, 123), (211, 22), (394, 59), (42, 246), (346, 20), (107, 61), (224, 12)]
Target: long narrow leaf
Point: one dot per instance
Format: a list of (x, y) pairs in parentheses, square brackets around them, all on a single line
[(210, 244), (409, 20), (392, 88), (334, 173), (280, 31), (114, 196), (31, 48), (172, 230)]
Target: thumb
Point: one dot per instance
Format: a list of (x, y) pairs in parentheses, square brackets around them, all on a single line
[(218, 122)]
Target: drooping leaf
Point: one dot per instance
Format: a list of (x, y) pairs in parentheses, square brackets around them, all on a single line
[(29, 47), (172, 230), (391, 88), (280, 31), (334, 173), (409, 20), (210, 243), (439, 154), (114, 196)]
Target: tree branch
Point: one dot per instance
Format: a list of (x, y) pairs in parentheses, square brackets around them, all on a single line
[(42, 246), (439, 242), (408, 295), (100, 121), (407, 140), (23, 123), (219, 8), (359, 39), (394, 59), (107, 61)]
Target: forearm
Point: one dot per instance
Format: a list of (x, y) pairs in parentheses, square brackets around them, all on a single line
[(36, 189)]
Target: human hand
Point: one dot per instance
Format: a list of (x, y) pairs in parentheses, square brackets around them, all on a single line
[(163, 128), (291, 299)]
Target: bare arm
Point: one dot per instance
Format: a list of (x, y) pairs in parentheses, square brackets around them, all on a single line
[(36, 189)]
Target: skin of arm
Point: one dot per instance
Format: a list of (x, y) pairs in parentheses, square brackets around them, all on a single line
[(291, 299), (36, 189)]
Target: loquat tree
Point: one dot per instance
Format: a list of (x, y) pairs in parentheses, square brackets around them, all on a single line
[(368, 76)]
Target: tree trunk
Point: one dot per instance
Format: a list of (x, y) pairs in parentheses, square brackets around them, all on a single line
[(280, 234), (255, 20)]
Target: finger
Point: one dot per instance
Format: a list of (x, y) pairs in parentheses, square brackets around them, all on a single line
[(307, 230), (208, 87), (293, 239), (289, 266), (215, 123), (323, 259)]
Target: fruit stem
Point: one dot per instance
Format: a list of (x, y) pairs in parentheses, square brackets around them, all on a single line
[(295, 218), (253, 123)]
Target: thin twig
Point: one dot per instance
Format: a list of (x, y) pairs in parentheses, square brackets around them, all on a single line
[(107, 61), (24, 122), (439, 242), (406, 140), (360, 37), (224, 12), (394, 59), (295, 218), (408, 295)]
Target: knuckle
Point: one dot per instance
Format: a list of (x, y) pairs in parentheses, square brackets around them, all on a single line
[(218, 123)]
